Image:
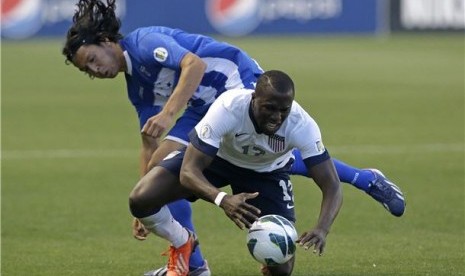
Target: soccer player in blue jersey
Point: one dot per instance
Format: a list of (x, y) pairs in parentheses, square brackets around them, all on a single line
[(168, 71), (245, 140)]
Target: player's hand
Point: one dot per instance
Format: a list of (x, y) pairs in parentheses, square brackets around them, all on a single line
[(138, 230), (156, 125), (240, 211), (315, 238)]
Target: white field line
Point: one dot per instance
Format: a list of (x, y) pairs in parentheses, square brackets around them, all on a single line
[(68, 153), (400, 149), (130, 153)]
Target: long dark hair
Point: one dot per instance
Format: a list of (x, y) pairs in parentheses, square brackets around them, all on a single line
[(93, 22)]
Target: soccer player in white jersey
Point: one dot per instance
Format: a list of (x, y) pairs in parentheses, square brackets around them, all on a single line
[(168, 69), (246, 141)]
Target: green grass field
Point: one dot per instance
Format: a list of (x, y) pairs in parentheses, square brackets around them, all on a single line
[(70, 158)]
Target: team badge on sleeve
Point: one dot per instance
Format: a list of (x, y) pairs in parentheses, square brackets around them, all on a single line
[(320, 147), (160, 54), (205, 132)]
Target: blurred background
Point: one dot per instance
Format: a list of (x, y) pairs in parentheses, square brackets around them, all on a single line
[(384, 80), (22, 19)]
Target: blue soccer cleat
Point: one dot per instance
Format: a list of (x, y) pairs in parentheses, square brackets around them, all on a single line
[(387, 193)]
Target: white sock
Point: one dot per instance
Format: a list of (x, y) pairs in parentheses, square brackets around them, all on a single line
[(164, 225)]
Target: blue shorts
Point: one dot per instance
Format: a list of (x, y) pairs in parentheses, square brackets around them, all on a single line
[(275, 188), (188, 120)]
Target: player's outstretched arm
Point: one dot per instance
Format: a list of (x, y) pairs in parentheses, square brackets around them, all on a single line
[(325, 176), (192, 177)]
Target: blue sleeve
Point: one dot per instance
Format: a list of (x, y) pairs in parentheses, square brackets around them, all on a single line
[(201, 145), (162, 49)]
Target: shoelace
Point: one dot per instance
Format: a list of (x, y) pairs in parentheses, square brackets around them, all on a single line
[(385, 191), (173, 260)]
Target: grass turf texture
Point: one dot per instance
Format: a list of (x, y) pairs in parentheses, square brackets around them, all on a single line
[(70, 151)]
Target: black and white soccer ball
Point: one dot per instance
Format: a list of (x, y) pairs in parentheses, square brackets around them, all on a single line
[(271, 240)]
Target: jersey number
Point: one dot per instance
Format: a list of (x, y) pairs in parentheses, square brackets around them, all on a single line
[(287, 190), (254, 150)]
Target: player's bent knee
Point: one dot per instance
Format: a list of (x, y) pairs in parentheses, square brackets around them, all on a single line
[(153, 191), (136, 205), (141, 208), (142, 202)]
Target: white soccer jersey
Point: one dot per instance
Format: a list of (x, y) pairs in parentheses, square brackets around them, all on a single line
[(229, 129)]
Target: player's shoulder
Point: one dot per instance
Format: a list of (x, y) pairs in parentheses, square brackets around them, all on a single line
[(135, 41), (300, 120), (298, 113), (143, 42), (146, 36)]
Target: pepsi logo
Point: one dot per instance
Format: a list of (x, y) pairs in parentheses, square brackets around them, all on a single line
[(21, 18), (234, 17)]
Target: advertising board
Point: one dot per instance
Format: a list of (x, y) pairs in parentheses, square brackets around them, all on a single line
[(23, 19)]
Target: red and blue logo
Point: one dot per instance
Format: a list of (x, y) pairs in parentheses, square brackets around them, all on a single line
[(21, 18), (234, 17)]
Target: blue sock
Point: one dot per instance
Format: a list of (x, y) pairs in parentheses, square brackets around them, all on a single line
[(182, 212), (347, 174), (298, 167), (351, 175)]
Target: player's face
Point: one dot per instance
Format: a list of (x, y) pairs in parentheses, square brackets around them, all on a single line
[(271, 109), (100, 61)]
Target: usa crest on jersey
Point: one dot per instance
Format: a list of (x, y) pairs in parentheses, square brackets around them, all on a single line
[(277, 143)]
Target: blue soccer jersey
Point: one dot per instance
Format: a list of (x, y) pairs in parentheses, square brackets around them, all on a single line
[(154, 54)]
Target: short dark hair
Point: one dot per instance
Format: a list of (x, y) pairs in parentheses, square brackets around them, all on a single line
[(275, 80), (93, 22)]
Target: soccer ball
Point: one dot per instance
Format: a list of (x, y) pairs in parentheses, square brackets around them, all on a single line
[(271, 240)]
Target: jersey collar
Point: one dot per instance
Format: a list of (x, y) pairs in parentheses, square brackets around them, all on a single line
[(255, 124), (128, 62)]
